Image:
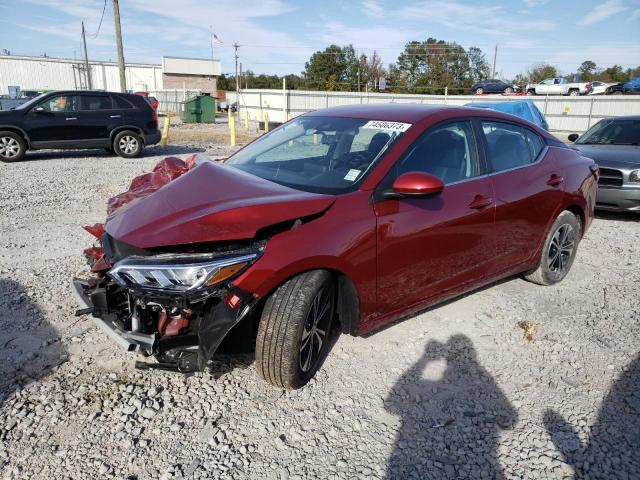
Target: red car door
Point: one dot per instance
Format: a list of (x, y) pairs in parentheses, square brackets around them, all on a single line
[(528, 187), (428, 246)]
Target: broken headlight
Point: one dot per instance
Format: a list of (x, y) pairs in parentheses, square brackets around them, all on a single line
[(180, 272)]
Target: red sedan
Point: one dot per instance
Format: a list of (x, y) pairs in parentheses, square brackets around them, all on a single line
[(344, 218)]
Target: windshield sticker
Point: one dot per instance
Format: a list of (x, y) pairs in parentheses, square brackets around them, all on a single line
[(382, 125), (352, 175)]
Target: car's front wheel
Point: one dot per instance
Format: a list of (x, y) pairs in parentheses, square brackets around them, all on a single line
[(479, 91), (559, 250), (508, 90), (295, 328), (12, 147), (127, 144)]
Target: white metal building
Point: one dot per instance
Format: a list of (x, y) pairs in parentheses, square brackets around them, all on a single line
[(45, 73)]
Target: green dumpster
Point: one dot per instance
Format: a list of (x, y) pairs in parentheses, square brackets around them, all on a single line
[(199, 109)]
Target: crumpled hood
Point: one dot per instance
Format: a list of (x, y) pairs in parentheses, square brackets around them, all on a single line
[(211, 202), (612, 156)]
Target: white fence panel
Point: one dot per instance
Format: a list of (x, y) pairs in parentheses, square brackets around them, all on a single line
[(564, 114), (170, 100)]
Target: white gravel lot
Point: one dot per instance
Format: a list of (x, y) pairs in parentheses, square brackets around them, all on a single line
[(455, 392)]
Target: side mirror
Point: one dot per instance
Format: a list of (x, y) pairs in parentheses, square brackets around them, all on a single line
[(573, 137), (39, 109), (415, 185)]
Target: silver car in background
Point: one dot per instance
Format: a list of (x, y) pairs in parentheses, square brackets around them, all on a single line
[(614, 144)]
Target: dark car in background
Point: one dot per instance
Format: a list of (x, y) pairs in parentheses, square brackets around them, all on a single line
[(352, 216), (118, 122), (492, 86), (520, 108), (632, 86), (614, 144)]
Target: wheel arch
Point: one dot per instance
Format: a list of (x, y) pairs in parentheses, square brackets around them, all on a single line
[(122, 128), (578, 211), (17, 131)]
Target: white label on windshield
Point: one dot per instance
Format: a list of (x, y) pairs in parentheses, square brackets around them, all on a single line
[(352, 175), (382, 125)]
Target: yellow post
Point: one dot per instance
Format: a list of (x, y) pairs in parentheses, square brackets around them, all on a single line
[(266, 122), (229, 116), (232, 130), (165, 131), (289, 116), (315, 138), (246, 119)]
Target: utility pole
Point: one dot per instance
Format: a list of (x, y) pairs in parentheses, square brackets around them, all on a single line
[(495, 55), (116, 19), (236, 46), (86, 60)]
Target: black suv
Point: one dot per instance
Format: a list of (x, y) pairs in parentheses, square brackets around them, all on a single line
[(492, 86), (118, 122)]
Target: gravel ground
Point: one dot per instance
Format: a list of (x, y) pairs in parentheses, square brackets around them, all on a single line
[(455, 392)]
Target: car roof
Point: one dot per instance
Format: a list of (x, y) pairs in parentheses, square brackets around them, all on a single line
[(76, 92), (624, 117), (407, 112)]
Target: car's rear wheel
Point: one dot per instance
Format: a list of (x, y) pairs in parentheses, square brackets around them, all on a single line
[(295, 328), (479, 91), (127, 144), (508, 90), (12, 147), (531, 92), (574, 93), (559, 250)]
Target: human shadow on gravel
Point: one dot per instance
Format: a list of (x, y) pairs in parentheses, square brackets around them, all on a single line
[(450, 426), (29, 346), (613, 450)]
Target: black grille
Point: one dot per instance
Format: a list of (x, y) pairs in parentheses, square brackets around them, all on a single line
[(610, 178)]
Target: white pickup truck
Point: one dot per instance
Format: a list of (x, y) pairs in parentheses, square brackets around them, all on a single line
[(558, 86)]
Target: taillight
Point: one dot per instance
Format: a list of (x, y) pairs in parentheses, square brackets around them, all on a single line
[(154, 115), (588, 86), (595, 170)]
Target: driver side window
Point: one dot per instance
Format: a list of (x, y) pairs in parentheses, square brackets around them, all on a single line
[(60, 103), (448, 152)]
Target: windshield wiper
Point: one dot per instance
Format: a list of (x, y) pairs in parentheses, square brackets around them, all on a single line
[(625, 143)]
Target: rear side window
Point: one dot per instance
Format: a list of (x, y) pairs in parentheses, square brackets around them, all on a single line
[(507, 145), (536, 144), (95, 102), (121, 103), (447, 151)]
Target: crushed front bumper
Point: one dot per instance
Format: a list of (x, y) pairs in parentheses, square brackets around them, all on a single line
[(130, 341), (212, 327), (619, 199)]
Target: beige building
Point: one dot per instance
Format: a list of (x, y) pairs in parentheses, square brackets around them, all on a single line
[(190, 73)]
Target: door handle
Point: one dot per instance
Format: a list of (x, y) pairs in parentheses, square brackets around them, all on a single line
[(114, 116), (555, 180), (71, 118), (480, 201)]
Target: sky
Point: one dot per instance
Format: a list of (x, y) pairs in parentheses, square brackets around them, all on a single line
[(278, 36)]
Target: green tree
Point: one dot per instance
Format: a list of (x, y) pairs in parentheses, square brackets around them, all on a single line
[(613, 74), (478, 66), (587, 70), (540, 71), (335, 68)]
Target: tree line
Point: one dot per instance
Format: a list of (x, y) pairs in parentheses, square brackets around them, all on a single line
[(431, 66)]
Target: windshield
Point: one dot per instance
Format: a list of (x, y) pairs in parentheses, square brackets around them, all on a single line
[(319, 154), (612, 132), (31, 102)]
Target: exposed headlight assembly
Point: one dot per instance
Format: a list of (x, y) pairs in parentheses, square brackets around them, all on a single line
[(634, 176), (180, 272)]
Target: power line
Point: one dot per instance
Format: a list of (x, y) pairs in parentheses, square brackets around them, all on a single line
[(95, 35)]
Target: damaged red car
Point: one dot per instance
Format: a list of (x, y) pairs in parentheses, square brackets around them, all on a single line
[(341, 219)]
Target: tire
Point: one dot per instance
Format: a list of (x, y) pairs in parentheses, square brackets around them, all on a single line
[(574, 93), (617, 92), (508, 90), (531, 92), (12, 147), (127, 144), (479, 91), (282, 355), (554, 265)]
